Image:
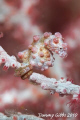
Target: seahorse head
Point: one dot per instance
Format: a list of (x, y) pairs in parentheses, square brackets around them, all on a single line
[(56, 44)]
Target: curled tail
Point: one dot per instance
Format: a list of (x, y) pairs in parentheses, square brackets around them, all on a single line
[(24, 71)]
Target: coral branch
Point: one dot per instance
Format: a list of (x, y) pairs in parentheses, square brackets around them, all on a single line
[(10, 61), (62, 86), (19, 116)]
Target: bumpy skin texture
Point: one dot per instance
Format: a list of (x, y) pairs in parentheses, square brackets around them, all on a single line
[(40, 53)]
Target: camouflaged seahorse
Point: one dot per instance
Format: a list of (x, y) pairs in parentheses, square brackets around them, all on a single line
[(40, 54)]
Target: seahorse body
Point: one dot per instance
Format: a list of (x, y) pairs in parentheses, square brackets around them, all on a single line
[(39, 54)]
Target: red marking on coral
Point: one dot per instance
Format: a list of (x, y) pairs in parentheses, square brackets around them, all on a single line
[(64, 90), (62, 78), (3, 60), (5, 68), (13, 65), (55, 82), (15, 118), (55, 40), (71, 80)]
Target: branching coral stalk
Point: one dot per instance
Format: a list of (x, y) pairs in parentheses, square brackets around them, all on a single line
[(62, 86), (9, 61), (19, 116)]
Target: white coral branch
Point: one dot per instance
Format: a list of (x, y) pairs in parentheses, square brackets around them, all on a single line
[(19, 116), (62, 86), (9, 61)]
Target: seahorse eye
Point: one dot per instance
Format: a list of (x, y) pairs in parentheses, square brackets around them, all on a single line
[(60, 48)]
